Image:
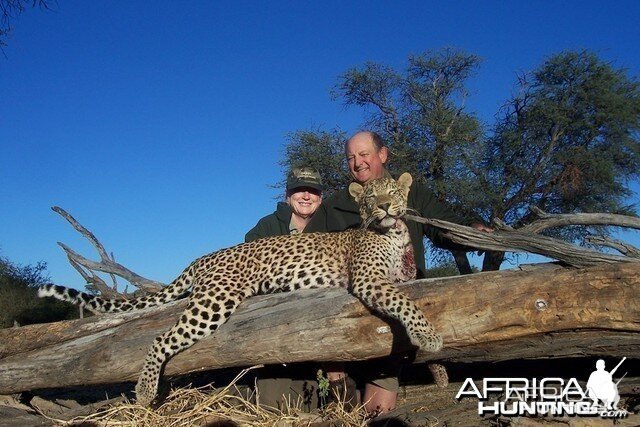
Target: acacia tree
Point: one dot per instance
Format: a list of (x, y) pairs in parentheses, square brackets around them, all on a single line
[(567, 141), (421, 113)]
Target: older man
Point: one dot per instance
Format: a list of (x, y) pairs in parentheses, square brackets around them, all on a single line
[(367, 155)]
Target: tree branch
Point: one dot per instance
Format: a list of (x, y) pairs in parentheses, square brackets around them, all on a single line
[(557, 220), (622, 247), (105, 265), (537, 169), (93, 279), (518, 241)]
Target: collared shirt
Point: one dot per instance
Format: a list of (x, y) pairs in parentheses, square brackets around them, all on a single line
[(292, 227)]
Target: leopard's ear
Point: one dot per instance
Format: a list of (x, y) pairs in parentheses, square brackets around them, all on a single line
[(356, 190), (404, 182)]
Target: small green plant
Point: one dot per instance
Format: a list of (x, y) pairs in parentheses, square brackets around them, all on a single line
[(323, 387)]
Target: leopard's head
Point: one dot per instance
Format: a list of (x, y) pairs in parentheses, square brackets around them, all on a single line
[(382, 201)]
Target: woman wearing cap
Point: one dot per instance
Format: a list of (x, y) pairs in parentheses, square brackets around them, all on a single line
[(303, 197), (281, 384)]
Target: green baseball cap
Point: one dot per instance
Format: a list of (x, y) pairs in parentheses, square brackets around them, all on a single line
[(304, 177)]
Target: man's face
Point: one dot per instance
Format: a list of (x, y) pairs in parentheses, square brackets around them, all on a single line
[(304, 201), (365, 162)]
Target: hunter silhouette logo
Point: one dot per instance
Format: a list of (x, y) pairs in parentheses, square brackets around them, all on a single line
[(601, 386), (548, 396)]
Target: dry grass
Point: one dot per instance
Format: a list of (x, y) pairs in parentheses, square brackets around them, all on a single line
[(218, 407)]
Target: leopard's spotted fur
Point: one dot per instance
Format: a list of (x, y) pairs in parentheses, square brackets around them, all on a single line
[(366, 261)]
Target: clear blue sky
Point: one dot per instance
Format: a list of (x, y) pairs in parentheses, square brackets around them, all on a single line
[(159, 124)]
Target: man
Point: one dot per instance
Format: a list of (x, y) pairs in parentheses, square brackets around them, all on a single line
[(366, 156)]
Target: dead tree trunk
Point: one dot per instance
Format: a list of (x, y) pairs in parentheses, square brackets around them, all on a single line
[(539, 313)]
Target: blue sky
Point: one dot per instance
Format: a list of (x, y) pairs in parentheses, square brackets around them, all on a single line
[(159, 125)]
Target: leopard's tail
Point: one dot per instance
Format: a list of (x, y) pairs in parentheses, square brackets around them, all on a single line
[(175, 290)]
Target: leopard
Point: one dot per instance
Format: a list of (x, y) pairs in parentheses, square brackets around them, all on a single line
[(367, 261)]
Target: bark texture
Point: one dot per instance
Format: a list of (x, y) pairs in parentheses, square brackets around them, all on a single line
[(525, 313)]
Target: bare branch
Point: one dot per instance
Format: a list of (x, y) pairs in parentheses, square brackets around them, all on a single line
[(106, 264), (518, 241), (82, 230), (113, 276), (557, 220), (501, 225), (622, 247), (93, 279)]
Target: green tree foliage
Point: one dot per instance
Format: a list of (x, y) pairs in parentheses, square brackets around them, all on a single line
[(567, 141), (420, 113), (19, 302)]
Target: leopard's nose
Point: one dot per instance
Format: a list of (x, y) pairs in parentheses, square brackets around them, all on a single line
[(384, 206)]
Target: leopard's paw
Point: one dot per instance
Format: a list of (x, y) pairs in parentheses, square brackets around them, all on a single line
[(145, 391), (426, 340), (439, 373)]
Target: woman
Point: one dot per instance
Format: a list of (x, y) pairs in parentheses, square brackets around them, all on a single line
[(278, 384), (303, 197)]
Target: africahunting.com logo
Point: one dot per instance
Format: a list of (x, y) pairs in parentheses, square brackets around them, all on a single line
[(548, 396)]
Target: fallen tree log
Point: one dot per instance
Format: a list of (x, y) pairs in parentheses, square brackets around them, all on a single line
[(539, 313)]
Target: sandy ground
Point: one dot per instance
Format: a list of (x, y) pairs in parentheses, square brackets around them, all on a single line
[(420, 403)]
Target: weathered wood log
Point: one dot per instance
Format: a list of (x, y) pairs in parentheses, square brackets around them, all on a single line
[(518, 241), (539, 313)]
